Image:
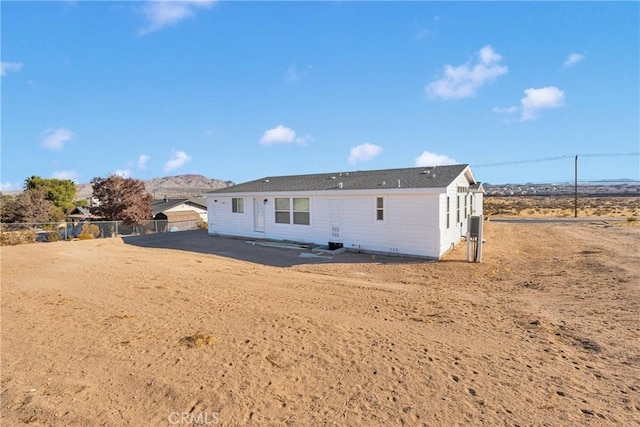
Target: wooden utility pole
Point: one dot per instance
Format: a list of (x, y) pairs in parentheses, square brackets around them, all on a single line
[(575, 188)]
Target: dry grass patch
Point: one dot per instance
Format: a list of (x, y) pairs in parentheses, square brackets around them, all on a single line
[(198, 340), (122, 316)]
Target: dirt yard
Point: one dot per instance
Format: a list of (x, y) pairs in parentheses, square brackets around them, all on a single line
[(187, 329)]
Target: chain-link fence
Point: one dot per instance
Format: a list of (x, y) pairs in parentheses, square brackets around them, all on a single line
[(14, 233)]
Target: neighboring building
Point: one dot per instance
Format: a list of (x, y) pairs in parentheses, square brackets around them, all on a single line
[(76, 218), (80, 214), (180, 214), (414, 211)]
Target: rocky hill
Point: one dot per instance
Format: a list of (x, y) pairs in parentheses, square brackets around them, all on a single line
[(173, 187)]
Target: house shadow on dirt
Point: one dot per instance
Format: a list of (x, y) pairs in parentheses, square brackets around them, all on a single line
[(242, 249)]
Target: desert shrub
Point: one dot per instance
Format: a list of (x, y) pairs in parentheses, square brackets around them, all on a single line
[(201, 225), (631, 219), (89, 231), (53, 236), (11, 238), (198, 340)]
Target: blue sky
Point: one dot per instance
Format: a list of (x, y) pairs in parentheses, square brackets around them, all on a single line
[(242, 90)]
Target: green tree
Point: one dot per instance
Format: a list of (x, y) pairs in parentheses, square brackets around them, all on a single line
[(121, 199), (82, 203), (61, 192)]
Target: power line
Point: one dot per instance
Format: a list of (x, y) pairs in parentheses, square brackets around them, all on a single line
[(610, 154), (548, 159), (517, 162)]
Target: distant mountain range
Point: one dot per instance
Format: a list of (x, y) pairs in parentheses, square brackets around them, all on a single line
[(185, 186), (173, 187), (589, 182), (608, 187)]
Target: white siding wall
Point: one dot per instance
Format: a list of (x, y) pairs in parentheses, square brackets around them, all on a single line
[(223, 221), (457, 227), (478, 204), (410, 224), (408, 227)]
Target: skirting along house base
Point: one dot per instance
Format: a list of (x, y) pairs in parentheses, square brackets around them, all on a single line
[(420, 212)]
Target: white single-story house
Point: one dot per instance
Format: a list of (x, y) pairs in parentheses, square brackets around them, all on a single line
[(165, 209), (419, 211), (179, 214)]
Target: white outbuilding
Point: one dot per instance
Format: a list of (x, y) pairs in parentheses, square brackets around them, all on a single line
[(421, 212)]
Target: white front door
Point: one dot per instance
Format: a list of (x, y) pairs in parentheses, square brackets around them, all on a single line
[(258, 215), (211, 216), (335, 220)]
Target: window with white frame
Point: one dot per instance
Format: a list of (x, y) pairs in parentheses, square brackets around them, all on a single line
[(301, 211), (448, 211), (466, 206), (283, 211), (380, 208), (237, 205), (457, 209), (296, 208)]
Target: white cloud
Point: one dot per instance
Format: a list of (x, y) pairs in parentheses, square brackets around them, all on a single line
[(160, 14), (142, 161), (54, 139), (508, 110), (294, 74), (283, 135), (278, 135), (432, 159), (8, 186), (6, 67), (73, 176), (463, 81), (364, 152), (539, 99), (573, 59), (179, 159), (123, 173)]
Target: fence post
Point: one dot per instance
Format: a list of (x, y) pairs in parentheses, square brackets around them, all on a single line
[(156, 224), (116, 228)]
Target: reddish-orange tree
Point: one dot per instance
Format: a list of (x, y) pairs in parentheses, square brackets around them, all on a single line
[(121, 199)]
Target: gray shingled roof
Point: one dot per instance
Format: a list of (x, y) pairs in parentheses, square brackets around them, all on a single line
[(161, 205), (422, 177)]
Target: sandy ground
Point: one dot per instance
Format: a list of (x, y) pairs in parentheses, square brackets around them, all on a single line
[(545, 331)]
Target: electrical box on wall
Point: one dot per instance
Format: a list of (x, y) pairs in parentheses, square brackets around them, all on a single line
[(474, 238), (475, 226)]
